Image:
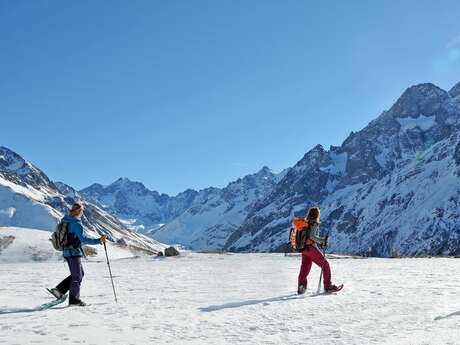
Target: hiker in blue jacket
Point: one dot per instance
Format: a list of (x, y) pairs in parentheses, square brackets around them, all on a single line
[(72, 254)]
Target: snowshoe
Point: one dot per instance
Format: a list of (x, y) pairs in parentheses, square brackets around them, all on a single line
[(333, 288), (301, 289), (56, 293), (77, 304), (52, 303)]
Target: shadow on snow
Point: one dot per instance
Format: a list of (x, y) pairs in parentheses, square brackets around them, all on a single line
[(457, 313), (26, 310), (250, 302)]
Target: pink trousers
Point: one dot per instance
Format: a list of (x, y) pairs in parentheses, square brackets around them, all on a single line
[(310, 255)]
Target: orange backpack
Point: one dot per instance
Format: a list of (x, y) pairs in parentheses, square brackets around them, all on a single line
[(300, 235)]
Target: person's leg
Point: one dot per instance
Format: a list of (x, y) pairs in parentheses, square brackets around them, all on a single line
[(304, 269), (76, 271), (64, 286), (318, 258), (82, 273)]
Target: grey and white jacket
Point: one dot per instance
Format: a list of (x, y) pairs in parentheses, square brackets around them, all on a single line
[(314, 235)]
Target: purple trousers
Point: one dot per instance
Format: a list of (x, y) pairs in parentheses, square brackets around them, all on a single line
[(72, 283)]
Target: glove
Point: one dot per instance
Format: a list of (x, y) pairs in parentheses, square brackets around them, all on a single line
[(325, 242), (103, 239)]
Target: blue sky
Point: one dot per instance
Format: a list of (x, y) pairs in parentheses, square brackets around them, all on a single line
[(191, 94)]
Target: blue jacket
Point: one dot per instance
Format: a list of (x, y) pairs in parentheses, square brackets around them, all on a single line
[(76, 237)]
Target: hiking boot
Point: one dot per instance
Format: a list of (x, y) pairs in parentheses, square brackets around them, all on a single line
[(56, 293), (301, 289), (77, 304), (333, 288)]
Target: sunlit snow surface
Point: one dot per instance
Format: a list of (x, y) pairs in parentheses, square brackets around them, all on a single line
[(236, 299)]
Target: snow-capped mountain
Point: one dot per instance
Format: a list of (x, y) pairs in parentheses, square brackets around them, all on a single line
[(196, 219), (29, 199), (393, 187), (139, 207), (216, 213)]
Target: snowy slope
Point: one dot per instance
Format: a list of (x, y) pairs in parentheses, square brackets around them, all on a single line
[(29, 199), (216, 213), (236, 299), (20, 206), (20, 245), (394, 186)]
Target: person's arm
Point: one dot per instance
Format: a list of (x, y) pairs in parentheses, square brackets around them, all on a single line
[(77, 228), (314, 231)]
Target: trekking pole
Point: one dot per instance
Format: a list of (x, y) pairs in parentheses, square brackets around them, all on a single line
[(286, 248), (321, 274), (110, 272), (288, 244)]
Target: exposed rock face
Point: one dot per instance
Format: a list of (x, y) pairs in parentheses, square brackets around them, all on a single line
[(171, 251)]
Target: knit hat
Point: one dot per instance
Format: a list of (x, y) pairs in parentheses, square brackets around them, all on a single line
[(76, 209)]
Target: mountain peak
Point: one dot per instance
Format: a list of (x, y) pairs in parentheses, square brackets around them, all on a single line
[(265, 171), (419, 99), (5, 152), (455, 91), (66, 190), (318, 148), (11, 161), (315, 153), (123, 180)]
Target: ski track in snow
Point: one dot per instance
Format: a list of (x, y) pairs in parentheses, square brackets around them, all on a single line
[(235, 299)]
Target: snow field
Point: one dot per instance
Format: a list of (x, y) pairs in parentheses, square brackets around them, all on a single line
[(236, 299)]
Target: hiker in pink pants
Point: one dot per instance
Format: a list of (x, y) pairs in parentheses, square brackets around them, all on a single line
[(311, 253)]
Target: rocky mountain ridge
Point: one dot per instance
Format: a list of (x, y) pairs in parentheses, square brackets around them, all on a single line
[(371, 186)]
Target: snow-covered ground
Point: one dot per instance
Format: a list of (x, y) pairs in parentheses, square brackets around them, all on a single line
[(235, 299)]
